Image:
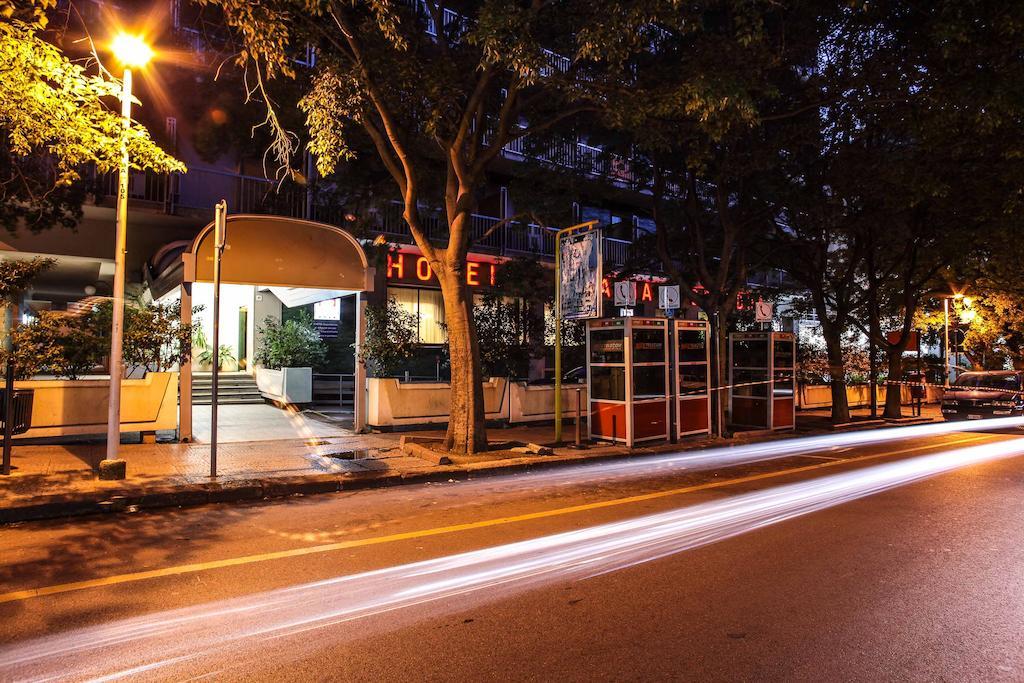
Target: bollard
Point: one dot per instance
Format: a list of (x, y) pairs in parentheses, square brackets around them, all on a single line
[(579, 439)]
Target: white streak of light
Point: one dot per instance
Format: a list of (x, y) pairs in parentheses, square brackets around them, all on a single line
[(710, 458), (227, 627)]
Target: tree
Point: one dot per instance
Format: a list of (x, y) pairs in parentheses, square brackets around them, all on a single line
[(923, 115), (706, 119), (54, 119), (440, 95)]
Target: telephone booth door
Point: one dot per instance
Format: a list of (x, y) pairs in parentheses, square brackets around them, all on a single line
[(783, 386), (692, 367), (749, 377)]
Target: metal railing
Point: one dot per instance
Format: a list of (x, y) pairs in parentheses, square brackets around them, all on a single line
[(573, 154), (200, 189), (337, 388)]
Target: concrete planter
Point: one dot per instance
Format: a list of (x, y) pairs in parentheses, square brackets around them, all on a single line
[(64, 407), (287, 385), (858, 395), (391, 403), (536, 403)]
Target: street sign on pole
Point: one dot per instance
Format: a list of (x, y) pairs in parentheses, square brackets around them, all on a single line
[(668, 297), (578, 264), (762, 312), (625, 293)]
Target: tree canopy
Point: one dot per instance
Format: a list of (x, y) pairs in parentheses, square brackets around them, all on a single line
[(56, 118)]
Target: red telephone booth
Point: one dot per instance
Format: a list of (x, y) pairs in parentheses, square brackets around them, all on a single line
[(762, 380), (692, 363), (627, 376)]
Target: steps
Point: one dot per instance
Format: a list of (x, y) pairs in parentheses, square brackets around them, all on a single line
[(233, 388)]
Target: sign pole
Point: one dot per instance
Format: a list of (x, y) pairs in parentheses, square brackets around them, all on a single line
[(219, 237), (558, 322)]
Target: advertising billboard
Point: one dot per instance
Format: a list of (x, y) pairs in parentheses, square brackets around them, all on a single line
[(580, 275)]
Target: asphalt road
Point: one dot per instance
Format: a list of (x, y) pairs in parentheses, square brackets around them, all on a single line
[(893, 561)]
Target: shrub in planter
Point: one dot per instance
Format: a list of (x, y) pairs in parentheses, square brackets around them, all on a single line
[(66, 345), (292, 344), (391, 338)]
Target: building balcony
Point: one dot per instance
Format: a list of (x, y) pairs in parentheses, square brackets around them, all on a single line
[(194, 194)]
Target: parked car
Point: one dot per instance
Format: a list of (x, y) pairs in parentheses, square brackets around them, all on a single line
[(978, 395)]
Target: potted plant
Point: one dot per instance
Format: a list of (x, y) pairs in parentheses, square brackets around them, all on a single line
[(285, 357)]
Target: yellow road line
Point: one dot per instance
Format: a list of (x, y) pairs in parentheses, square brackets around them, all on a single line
[(437, 531)]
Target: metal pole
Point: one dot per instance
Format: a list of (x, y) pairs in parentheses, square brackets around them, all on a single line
[(579, 417), (945, 343), (558, 323), (956, 343), (219, 236), (120, 253), (558, 345), (8, 387)]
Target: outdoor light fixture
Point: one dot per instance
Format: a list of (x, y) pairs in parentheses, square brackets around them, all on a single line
[(131, 51)]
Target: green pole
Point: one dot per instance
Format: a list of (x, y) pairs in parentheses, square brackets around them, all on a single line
[(558, 323), (558, 337)]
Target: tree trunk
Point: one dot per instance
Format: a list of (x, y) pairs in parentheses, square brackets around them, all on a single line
[(720, 373), (837, 371), (893, 395), (466, 429)]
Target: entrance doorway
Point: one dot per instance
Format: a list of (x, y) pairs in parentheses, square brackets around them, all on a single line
[(243, 337)]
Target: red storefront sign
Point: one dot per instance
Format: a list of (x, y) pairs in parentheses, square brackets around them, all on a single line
[(415, 269)]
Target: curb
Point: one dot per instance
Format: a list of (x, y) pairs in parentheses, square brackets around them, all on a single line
[(191, 495)]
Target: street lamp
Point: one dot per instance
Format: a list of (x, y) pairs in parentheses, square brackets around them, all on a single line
[(132, 52), (965, 317)]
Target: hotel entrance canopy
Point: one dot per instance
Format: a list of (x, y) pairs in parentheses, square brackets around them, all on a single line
[(278, 252), (275, 251)]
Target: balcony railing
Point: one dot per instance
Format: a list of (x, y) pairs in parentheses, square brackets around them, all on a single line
[(200, 189), (197, 191)]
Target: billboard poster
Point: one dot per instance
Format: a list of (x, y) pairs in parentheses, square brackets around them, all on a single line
[(580, 275)]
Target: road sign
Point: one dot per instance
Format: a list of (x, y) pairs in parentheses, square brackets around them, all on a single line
[(625, 312), (762, 312), (625, 293), (668, 297)]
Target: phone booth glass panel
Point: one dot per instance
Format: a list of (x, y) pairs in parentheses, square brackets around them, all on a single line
[(783, 381), (762, 380), (693, 402), (627, 373)]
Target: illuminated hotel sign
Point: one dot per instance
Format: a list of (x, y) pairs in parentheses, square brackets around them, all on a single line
[(414, 269)]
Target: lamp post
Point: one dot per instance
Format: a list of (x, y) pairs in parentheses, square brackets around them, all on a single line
[(131, 51), (947, 369)]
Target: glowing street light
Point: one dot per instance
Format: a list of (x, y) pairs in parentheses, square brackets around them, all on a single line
[(131, 51)]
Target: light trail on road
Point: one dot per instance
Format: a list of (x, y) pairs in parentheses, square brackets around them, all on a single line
[(726, 456), (213, 637)]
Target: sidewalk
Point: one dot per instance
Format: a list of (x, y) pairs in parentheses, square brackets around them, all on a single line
[(60, 480), (821, 418)]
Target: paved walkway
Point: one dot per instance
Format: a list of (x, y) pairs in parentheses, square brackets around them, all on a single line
[(264, 422)]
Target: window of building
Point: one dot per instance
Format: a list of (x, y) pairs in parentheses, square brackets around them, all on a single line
[(428, 307), (171, 131)]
